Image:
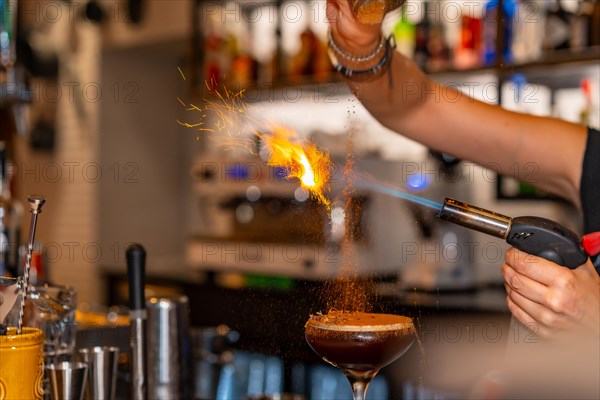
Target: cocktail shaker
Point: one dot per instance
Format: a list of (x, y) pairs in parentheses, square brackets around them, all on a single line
[(168, 347)]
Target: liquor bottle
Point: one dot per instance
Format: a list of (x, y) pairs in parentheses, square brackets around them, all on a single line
[(213, 53), (579, 27), (11, 215), (594, 25), (585, 113), (264, 44), (404, 34), (468, 48), (529, 30), (491, 18), (438, 49), (558, 22), (243, 65), (422, 31)]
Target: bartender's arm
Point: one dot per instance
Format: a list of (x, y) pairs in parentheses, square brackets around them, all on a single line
[(542, 295), (420, 109)]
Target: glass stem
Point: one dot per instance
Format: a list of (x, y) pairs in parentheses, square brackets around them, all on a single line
[(360, 381), (359, 388)]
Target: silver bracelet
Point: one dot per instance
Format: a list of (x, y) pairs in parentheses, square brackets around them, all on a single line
[(333, 45), (367, 74)]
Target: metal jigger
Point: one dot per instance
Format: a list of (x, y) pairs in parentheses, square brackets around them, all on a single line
[(35, 207)]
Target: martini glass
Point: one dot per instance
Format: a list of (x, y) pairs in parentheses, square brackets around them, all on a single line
[(359, 343)]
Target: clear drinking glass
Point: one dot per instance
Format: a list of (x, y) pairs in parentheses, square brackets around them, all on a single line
[(52, 308)]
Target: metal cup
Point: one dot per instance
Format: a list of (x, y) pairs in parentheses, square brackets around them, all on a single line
[(168, 347), (102, 372), (67, 380)]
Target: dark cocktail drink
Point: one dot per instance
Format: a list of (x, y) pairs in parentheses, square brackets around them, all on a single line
[(359, 343)]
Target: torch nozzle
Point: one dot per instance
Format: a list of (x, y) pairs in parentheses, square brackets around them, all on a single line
[(479, 219)]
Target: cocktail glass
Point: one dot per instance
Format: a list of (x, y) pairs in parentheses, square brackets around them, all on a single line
[(360, 344)]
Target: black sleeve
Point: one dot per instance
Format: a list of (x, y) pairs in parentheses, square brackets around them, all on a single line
[(590, 186)]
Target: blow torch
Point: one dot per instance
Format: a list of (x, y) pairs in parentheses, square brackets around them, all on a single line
[(534, 235)]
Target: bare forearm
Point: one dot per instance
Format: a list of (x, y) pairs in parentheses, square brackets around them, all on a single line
[(543, 151)]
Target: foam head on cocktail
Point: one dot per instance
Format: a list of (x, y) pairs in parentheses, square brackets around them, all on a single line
[(359, 343)]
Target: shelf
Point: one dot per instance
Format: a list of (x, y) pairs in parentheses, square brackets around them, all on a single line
[(590, 56), (565, 57)]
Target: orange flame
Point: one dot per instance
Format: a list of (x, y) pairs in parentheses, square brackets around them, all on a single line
[(303, 161)]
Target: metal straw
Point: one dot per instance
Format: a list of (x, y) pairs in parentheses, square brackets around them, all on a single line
[(35, 207)]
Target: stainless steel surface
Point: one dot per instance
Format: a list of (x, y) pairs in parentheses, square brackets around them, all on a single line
[(35, 207), (475, 218), (102, 372), (67, 380), (137, 348), (167, 335)]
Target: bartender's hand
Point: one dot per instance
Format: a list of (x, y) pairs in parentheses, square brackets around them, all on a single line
[(551, 299), (348, 32)]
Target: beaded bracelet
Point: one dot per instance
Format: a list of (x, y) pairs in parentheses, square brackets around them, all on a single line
[(333, 45), (370, 73)]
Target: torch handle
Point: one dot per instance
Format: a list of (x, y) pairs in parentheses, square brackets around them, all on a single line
[(534, 235), (547, 239)]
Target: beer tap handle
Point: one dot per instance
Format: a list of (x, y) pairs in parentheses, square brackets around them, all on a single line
[(136, 264)]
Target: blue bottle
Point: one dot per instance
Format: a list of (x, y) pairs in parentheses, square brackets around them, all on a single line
[(490, 26)]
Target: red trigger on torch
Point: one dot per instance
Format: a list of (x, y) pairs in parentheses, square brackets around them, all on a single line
[(591, 243)]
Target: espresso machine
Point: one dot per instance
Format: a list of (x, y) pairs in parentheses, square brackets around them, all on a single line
[(249, 218), (445, 256)]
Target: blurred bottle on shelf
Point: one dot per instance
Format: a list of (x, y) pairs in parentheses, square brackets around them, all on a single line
[(594, 26), (529, 30), (423, 29), (467, 51), (323, 70), (492, 16), (558, 27), (243, 67), (213, 49), (438, 52), (11, 216), (303, 43), (264, 41), (405, 34), (580, 25), (587, 109), (301, 64)]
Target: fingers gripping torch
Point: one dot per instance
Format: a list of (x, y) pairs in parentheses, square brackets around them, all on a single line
[(534, 235)]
